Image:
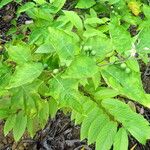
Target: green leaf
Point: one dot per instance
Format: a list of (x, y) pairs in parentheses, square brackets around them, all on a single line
[(17, 100), (56, 5), (40, 1), (81, 68), (4, 76), (25, 74), (133, 65), (133, 122), (95, 20), (96, 80), (139, 131), (58, 86), (101, 45), (87, 122), (144, 45), (33, 126), (112, 1), (96, 126), (43, 112), (45, 48), (9, 124), (104, 93), (20, 126), (53, 107), (106, 136), (5, 102), (4, 2), (88, 105), (25, 7), (121, 140), (121, 38), (4, 113), (85, 4), (20, 53), (146, 10), (63, 44), (125, 83), (71, 99), (74, 19)]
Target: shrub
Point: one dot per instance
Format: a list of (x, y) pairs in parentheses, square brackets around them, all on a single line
[(83, 59)]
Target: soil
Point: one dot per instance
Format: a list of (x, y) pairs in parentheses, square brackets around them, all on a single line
[(60, 133)]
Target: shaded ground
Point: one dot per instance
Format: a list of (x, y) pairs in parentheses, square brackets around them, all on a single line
[(60, 133)]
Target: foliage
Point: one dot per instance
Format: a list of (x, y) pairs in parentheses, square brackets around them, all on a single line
[(60, 56)]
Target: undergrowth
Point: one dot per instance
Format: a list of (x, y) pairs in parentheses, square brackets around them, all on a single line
[(84, 60)]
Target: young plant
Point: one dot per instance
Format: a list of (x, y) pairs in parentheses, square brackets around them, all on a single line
[(67, 56)]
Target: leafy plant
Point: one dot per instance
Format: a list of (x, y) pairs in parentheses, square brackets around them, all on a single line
[(84, 60)]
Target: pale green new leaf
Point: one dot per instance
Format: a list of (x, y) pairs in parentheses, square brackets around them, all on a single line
[(106, 136), (81, 67), (25, 74), (121, 140), (20, 126), (85, 4), (9, 124), (74, 19)]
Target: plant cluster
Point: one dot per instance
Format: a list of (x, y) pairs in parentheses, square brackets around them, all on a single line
[(79, 56)]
